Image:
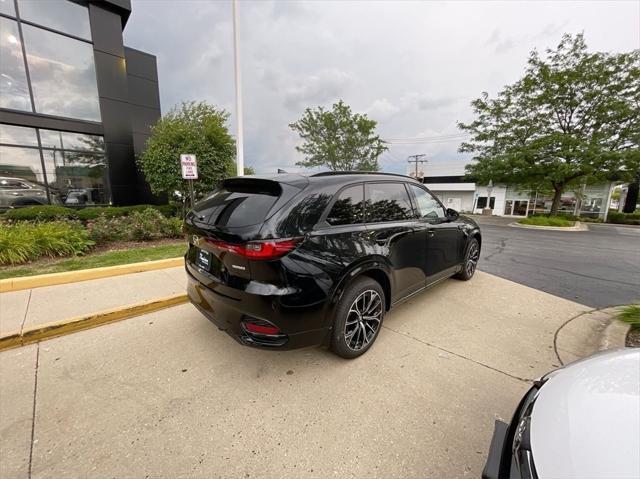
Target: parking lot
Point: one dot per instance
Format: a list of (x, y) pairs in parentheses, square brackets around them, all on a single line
[(168, 395), (598, 267)]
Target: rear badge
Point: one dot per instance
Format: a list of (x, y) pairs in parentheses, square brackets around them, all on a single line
[(241, 268)]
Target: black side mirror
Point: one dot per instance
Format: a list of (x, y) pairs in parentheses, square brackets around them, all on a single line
[(452, 214)]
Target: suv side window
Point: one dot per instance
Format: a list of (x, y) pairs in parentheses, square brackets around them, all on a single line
[(387, 202), (428, 207), (348, 209)]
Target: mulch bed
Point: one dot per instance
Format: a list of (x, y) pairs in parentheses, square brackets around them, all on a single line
[(633, 338)]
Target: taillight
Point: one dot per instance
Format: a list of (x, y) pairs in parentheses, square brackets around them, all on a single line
[(262, 250), (260, 327)]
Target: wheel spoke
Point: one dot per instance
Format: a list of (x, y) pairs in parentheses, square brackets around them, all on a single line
[(363, 320)]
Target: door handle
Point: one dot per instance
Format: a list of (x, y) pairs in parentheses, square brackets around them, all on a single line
[(431, 234)]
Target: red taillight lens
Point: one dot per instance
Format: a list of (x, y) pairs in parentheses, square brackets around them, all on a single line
[(264, 250), (263, 328)]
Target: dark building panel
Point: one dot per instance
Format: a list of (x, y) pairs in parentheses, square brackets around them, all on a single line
[(112, 76), (106, 30), (141, 64), (116, 121), (139, 142), (121, 7), (142, 118), (143, 92)]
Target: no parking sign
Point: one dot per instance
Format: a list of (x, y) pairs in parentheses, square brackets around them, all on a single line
[(189, 167)]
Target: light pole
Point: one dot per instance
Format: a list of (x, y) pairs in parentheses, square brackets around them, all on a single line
[(238, 83)]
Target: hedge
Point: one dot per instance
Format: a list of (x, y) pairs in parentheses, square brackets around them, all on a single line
[(53, 212), (624, 218)]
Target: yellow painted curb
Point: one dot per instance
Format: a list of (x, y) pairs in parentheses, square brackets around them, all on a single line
[(30, 282), (41, 332)]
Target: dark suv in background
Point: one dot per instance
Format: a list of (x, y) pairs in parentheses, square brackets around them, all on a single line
[(288, 261)]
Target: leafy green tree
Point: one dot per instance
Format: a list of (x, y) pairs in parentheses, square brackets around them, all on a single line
[(572, 116), (194, 128), (338, 139)]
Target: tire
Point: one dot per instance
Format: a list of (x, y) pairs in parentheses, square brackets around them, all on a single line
[(353, 332), (471, 257)]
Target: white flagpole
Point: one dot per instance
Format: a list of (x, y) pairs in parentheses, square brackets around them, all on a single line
[(238, 81)]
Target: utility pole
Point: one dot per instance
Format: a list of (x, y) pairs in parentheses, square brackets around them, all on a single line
[(238, 82), (416, 160)]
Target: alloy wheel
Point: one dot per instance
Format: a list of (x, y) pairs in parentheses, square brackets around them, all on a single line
[(472, 258), (363, 320)]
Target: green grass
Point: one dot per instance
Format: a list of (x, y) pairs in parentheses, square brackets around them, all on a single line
[(546, 221), (630, 314), (97, 260)]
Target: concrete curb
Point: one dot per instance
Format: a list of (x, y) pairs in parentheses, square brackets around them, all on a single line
[(588, 333), (577, 227), (52, 279), (45, 331)]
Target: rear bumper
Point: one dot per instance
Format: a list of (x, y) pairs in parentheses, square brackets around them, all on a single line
[(227, 307)]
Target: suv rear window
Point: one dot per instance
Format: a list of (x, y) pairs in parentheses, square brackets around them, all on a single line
[(387, 202), (235, 206), (348, 208)]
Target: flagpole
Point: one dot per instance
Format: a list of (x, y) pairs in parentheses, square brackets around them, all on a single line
[(238, 84)]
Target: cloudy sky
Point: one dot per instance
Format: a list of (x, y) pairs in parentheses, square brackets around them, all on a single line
[(412, 66)]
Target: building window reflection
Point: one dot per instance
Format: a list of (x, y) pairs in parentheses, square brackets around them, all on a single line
[(62, 15), (14, 90), (63, 75), (62, 168)]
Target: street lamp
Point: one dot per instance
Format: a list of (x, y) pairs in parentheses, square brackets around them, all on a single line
[(238, 84)]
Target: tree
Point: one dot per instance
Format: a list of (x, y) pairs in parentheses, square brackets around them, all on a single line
[(338, 139), (572, 116), (195, 128)]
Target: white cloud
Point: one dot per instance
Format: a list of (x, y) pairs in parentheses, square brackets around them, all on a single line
[(412, 66)]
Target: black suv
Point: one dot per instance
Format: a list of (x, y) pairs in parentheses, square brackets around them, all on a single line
[(288, 261)]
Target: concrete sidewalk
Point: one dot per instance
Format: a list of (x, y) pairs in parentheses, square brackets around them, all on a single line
[(168, 395), (30, 307)]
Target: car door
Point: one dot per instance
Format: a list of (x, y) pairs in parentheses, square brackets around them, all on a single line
[(390, 223), (443, 238)]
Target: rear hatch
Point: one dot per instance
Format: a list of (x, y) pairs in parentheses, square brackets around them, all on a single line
[(224, 228)]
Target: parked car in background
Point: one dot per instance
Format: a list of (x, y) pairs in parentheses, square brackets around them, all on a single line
[(19, 192), (288, 261), (580, 421)]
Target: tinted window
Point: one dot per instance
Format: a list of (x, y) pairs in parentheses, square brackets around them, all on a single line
[(18, 135), (387, 202), (6, 7), (14, 91), (62, 15), (236, 208), (348, 208), (63, 74), (428, 206)]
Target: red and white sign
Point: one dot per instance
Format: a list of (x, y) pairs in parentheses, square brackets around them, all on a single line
[(189, 167)]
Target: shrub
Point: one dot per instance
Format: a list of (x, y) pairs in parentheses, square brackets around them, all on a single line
[(630, 314), (624, 218), (23, 242), (93, 212), (40, 213), (546, 221), (146, 225)]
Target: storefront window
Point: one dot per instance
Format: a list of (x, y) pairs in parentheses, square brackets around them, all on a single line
[(14, 91), (61, 15), (63, 76), (18, 135), (22, 180), (74, 168), (7, 7)]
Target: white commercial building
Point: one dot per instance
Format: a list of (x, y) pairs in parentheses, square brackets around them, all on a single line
[(457, 192)]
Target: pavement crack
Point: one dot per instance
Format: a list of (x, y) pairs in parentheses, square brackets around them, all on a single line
[(26, 311), (525, 380), (33, 413), (499, 249)]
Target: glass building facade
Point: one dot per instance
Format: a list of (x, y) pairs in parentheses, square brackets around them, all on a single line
[(75, 104)]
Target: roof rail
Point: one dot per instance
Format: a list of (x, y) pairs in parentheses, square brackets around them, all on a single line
[(337, 173)]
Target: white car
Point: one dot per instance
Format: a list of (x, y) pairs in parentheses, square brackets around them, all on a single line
[(581, 421)]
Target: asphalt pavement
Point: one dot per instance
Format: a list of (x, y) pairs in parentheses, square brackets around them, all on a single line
[(599, 267)]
